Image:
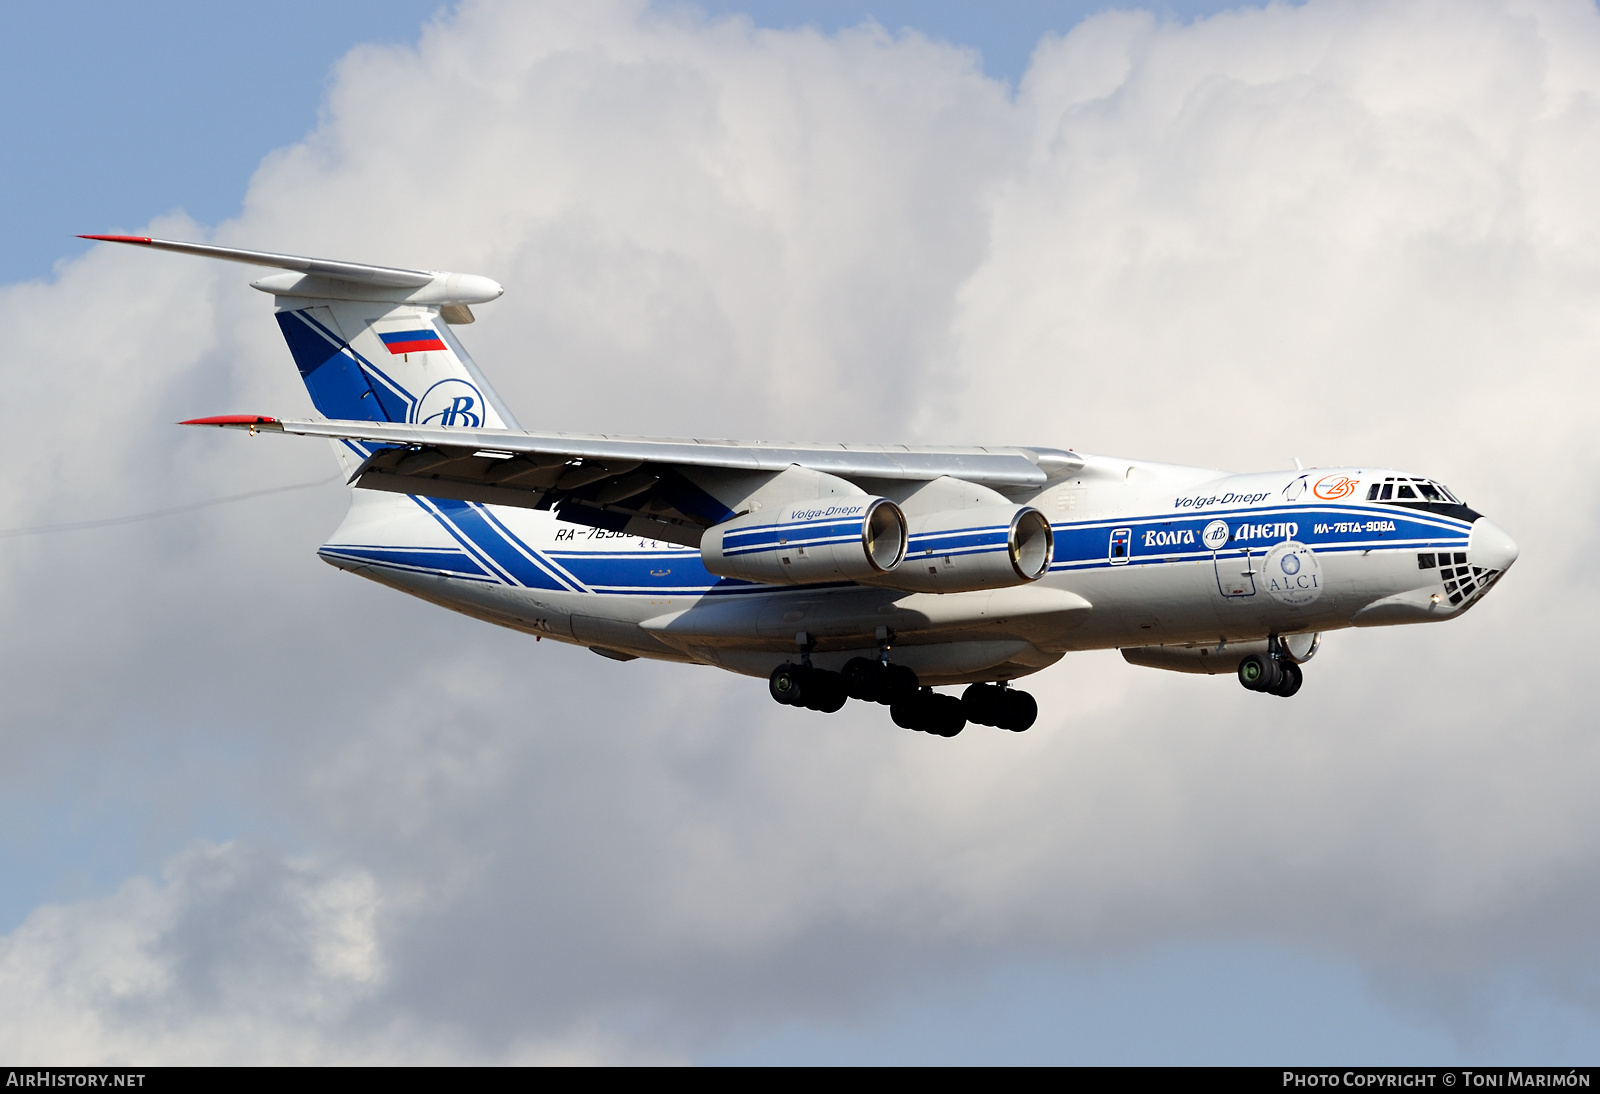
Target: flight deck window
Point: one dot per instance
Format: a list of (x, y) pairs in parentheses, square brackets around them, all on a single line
[(1425, 562), (1388, 492), (1407, 492), (1429, 491), (1372, 491)]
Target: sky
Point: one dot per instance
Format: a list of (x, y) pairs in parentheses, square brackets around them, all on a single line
[(254, 809)]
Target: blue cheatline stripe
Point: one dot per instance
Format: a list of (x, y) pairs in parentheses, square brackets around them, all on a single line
[(1304, 516), (430, 506), (744, 544), (961, 541), (466, 522), (614, 571), (444, 562), (489, 550), (795, 531), (797, 527), (792, 544), (512, 540), (1085, 545)]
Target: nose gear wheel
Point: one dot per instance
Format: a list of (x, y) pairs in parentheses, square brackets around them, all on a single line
[(1273, 672)]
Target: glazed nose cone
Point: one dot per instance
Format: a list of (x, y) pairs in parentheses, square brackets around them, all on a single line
[(1490, 547)]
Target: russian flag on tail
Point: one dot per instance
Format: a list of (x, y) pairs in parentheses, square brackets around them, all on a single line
[(426, 340)]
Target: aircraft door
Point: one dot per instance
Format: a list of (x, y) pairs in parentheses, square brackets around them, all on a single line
[(1236, 573), (1118, 551)]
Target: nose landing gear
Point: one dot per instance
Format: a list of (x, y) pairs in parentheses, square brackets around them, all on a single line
[(1272, 672)]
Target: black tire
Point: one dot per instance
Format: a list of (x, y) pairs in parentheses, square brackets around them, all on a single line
[(824, 691), (1021, 711), (1258, 672), (863, 679), (946, 717), (787, 684), (981, 703), (901, 684), (907, 713), (1293, 677)]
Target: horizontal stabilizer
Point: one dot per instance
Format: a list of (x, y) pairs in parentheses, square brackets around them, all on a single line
[(329, 279)]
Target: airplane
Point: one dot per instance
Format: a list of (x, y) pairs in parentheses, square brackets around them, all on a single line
[(836, 571)]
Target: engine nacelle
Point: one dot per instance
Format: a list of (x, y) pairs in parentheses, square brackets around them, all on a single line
[(983, 547), (808, 542)]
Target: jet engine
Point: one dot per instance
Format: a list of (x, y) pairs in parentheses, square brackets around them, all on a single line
[(984, 547), (805, 543)]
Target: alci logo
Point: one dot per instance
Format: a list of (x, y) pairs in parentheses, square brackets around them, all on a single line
[(1334, 487), (1292, 573), (451, 402)]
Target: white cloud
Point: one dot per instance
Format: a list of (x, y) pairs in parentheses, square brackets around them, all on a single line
[(1344, 231)]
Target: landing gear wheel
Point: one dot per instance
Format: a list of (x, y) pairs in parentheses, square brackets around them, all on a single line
[(945, 718), (863, 679), (905, 713), (787, 684), (1293, 677), (993, 705), (983, 703), (823, 691), (1021, 710), (1258, 672), (926, 711), (899, 683)]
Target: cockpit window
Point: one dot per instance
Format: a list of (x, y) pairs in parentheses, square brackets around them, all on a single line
[(1414, 493)]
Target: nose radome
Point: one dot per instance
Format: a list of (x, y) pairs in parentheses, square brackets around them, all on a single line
[(1490, 547)]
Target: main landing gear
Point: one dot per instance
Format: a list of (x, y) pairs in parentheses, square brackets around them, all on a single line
[(1271, 672), (911, 705)]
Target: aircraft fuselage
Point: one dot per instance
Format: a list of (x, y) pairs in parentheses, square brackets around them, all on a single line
[(1187, 560)]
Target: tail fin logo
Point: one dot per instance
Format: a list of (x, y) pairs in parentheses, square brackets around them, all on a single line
[(451, 402)]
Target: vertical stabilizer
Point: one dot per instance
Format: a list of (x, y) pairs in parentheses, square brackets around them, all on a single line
[(373, 343)]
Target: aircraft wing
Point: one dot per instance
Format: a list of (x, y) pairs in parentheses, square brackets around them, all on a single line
[(638, 485)]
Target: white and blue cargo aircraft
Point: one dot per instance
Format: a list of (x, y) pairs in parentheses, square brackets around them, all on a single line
[(836, 571)]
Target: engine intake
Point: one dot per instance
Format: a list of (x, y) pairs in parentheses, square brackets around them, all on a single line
[(808, 542), (985, 547)]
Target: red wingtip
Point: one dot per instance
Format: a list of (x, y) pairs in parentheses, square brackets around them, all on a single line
[(120, 239), (232, 419)]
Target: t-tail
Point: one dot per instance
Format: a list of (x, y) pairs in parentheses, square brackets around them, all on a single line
[(373, 343)]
